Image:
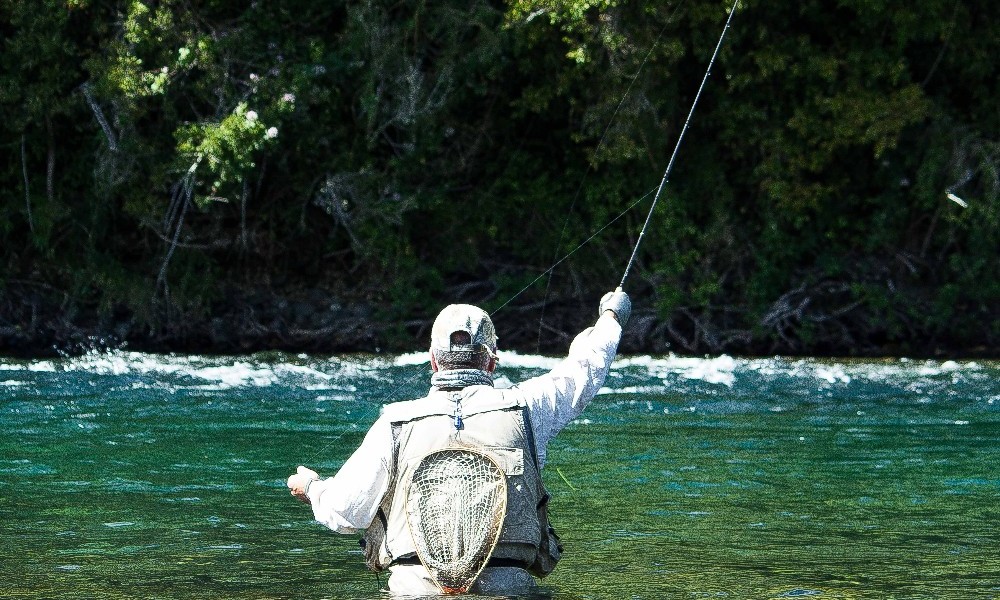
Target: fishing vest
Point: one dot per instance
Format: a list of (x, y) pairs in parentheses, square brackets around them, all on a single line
[(498, 426)]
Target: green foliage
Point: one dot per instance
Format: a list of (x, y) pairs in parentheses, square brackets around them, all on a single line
[(165, 156), (576, 19), (227, 147)]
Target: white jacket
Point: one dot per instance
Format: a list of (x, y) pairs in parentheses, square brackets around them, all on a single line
[(349, 500)]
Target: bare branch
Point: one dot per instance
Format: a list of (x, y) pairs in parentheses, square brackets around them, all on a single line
[(27, 192), (183, 191), (99, 115), (50, 167)]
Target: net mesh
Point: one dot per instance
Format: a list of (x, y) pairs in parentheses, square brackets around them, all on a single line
[(455, 508)]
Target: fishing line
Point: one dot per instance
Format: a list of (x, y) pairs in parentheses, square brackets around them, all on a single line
[(673, 156), (410, 378), (574, 250)]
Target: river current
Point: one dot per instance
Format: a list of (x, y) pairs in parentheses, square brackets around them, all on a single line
[(129, 475)]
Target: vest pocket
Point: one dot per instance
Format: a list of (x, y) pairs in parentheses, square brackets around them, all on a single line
[(510, 460)]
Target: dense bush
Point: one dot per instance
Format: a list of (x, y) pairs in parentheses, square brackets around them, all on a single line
[(232, 176)]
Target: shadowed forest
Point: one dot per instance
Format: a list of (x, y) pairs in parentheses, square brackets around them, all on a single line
[(218, 176)]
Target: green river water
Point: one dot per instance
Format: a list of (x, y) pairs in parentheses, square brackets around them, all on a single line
[(127, 475)]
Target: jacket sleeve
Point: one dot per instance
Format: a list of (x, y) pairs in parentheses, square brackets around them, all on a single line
[(349, 500), (559, 396)]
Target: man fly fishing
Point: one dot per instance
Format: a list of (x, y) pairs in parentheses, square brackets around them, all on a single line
[(423, 484)]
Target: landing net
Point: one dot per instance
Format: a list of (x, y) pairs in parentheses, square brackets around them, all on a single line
[(455, 507)]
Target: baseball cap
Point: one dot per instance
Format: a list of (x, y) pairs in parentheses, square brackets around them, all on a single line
[(463, 317)]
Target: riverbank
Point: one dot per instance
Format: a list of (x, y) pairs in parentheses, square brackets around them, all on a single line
[(35, 322)]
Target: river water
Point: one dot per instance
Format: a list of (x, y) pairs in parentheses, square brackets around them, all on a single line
[(128, 475)]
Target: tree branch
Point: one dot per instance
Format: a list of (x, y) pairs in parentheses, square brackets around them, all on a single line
[(27, 191)]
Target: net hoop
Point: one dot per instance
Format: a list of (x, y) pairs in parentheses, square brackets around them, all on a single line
[(455, 506)]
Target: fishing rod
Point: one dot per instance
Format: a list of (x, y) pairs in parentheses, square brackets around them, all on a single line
[(673, 156)]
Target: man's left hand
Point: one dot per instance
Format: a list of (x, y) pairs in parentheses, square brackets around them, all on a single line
[(299, 482)]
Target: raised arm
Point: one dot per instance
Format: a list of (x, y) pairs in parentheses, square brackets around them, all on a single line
[(559, 396)]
